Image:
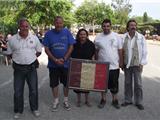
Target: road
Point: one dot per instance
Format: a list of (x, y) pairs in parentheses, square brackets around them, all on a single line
[(151, 84)]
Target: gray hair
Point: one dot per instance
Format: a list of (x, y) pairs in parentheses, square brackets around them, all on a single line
[(58, 17), (22, 20)]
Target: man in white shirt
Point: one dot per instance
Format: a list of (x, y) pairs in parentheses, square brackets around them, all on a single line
[(135, 56), (24, 48), (109, 49)]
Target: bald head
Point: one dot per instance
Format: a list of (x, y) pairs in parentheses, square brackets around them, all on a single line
[(58, 23)]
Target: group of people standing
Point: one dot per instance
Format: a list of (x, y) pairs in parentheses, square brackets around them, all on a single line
[(128, 54)]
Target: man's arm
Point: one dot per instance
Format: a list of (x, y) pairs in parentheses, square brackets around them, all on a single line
[(68, 53), (96, 54), (120, 53), (144, 54), (51, 57), (144, 51), (38, 54)]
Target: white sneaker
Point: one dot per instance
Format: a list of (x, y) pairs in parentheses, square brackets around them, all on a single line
[(17, 115), (66, 105), (54, 107), (36, 113)]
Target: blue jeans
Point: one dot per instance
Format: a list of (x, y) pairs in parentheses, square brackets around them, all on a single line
[(24, 73)]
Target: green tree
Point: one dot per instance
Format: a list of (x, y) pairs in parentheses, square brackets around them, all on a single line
[(42, 12), (39, 12), (91, 12), (139, 19), (122, 8), (145, 17), (7, 16)]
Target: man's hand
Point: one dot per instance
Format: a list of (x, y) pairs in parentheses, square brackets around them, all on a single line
[(141, 67), (59, 61)]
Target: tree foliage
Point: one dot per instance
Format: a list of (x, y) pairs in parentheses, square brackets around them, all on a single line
[(145, 17), (39, 12), (92, 12), (140, 19), (122, 8)]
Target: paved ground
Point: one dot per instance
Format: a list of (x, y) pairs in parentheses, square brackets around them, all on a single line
[(151, 84)]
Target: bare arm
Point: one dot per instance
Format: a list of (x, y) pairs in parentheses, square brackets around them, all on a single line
[(53, 58), (49, 54), (68, 53)]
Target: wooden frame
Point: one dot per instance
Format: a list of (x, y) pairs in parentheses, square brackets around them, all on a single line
[(88, 75)]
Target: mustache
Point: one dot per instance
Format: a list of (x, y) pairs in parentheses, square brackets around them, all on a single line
[(133, 28)]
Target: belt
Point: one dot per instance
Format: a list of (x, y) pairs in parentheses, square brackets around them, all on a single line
[(23, 65)]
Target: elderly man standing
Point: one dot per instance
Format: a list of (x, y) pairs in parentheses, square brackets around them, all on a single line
[(24, 48), (58, 45), (135, 56)]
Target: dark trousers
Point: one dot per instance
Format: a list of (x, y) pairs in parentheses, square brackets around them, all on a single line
[(24, 73), (113, 83)]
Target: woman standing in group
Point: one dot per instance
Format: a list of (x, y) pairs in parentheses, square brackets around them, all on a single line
[(83, 49)]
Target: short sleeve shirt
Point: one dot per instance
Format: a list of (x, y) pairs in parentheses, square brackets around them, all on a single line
[(58, 44), (108, 46), (24, 50)]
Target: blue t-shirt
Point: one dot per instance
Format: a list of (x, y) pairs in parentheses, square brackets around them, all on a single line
[(58, 43)]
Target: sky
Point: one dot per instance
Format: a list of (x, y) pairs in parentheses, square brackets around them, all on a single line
[(152, 7)]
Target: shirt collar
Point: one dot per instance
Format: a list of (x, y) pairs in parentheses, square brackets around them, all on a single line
[(20, 38), (136, 35)]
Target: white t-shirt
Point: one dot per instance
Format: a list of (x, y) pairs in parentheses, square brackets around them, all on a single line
[(108, 46), (24, 50)]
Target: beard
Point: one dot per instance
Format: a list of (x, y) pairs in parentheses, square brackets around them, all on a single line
[(106, 32)]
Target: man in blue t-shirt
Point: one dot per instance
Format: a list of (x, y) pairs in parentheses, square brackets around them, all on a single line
[(58, 45)]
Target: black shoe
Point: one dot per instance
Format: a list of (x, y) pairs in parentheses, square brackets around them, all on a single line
[(116, 104), (140, 107), (126, 104), (102, 103)]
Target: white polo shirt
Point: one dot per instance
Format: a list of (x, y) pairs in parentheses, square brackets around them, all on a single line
[(108, 46), (24, 50)]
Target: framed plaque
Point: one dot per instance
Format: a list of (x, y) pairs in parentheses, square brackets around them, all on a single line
[(88, 75)]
